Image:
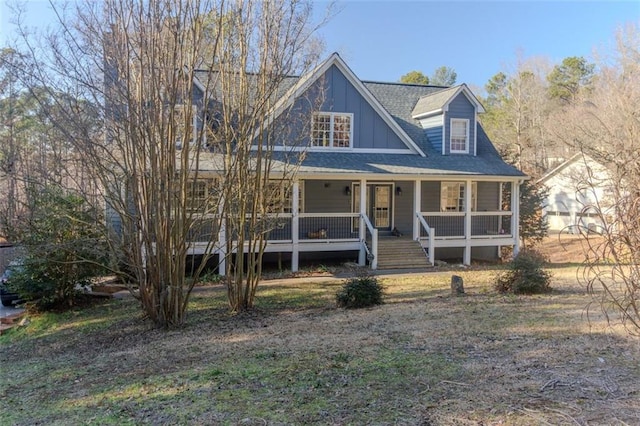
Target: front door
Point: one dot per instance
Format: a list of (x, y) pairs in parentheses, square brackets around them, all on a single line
[(381, 206), (378, 204)]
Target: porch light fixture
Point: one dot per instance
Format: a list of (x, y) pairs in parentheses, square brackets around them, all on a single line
[(347, 190), (398, 191)]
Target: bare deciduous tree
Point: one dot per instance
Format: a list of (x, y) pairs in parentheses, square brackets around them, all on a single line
[(605, 124), (133, 64), (517, 113)]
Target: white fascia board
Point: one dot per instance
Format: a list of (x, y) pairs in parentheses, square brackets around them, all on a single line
[(339, 150), (200, 86), (559, 168), (470, 97), (373, 177), (428, 114), (297, 90)]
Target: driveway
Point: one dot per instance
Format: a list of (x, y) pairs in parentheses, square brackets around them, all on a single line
[(5, 312)]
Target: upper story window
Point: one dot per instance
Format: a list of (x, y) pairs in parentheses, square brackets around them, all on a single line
[(185, 125), (452, 196), (332, 130), (459, 138)]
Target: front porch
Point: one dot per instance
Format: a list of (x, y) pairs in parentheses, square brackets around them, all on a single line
[(345, 215)]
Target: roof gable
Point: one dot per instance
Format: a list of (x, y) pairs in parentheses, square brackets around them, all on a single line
[(438, 102), (581, 158), (305, 82)]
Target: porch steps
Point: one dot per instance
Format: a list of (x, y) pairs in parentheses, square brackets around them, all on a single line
[(401, 253)]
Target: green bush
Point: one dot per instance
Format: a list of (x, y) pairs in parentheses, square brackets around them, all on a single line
[(360, 292), (63, 247), (525, 274)]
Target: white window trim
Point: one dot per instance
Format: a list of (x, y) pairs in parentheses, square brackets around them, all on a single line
[(456, 151), (331, 147), (178, 108), (474, 196)]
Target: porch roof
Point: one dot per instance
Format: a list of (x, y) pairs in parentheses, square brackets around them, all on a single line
[(383, 164)]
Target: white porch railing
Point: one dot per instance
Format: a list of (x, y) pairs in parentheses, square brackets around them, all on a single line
[(372, 251), (451, 225), (430, 237)]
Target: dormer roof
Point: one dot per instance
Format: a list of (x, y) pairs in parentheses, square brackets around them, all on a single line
[(438, 102)]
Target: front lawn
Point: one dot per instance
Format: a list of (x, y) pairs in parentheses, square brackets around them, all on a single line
[(424, 357)]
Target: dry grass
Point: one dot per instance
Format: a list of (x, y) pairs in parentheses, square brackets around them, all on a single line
[(425, 357)]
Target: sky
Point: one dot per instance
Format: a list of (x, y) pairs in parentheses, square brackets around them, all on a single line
[(383, 40)]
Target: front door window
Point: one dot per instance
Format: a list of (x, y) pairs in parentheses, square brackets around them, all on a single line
[(381, 206), (378, 205)]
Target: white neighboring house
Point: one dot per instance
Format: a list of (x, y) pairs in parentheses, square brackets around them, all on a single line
[(578, 192)]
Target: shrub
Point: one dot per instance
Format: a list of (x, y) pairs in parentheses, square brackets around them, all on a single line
[(63, 247), (525, 274), (360, 292)]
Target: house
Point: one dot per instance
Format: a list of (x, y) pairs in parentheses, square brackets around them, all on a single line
[(393, 174), (578, 194)]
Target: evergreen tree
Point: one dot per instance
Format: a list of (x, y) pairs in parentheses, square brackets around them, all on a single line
[(444, 76), (567, 79), (414, 77)]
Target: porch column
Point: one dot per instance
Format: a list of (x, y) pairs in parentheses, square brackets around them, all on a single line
[(515, 216), (222, 242), (467, 223), (417, 202), (362, 256), (295, 202)]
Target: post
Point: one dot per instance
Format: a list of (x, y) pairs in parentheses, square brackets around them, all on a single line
[(515, 216), (362, 257), (467, 223), (295, 207), (374, 249), (416, 208), (222, 242)]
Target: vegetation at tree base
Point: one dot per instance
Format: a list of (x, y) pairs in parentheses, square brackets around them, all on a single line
[(63, 249), (414, 77), (360, 292), (525, 274)]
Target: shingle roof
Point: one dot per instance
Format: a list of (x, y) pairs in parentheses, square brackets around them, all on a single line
[(401, 101), (433, 101)]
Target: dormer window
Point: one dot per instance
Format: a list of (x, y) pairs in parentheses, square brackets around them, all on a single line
[(459, 138), (331, 130)]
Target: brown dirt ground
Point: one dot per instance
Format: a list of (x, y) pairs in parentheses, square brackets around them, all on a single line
[(563, 248)]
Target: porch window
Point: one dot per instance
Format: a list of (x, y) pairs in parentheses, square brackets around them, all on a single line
[(200, 195), (280, 195), (452, 196), (459, 139), (331, 130)]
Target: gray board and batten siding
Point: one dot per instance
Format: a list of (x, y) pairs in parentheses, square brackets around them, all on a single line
[(340, 96), (460, 107)]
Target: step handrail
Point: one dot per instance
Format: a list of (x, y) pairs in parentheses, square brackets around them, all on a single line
[(431, 233), (372, 254)]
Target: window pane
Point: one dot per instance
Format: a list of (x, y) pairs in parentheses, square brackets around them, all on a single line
[(331, 130), (458, 135), (321, 130), (341, 131)]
